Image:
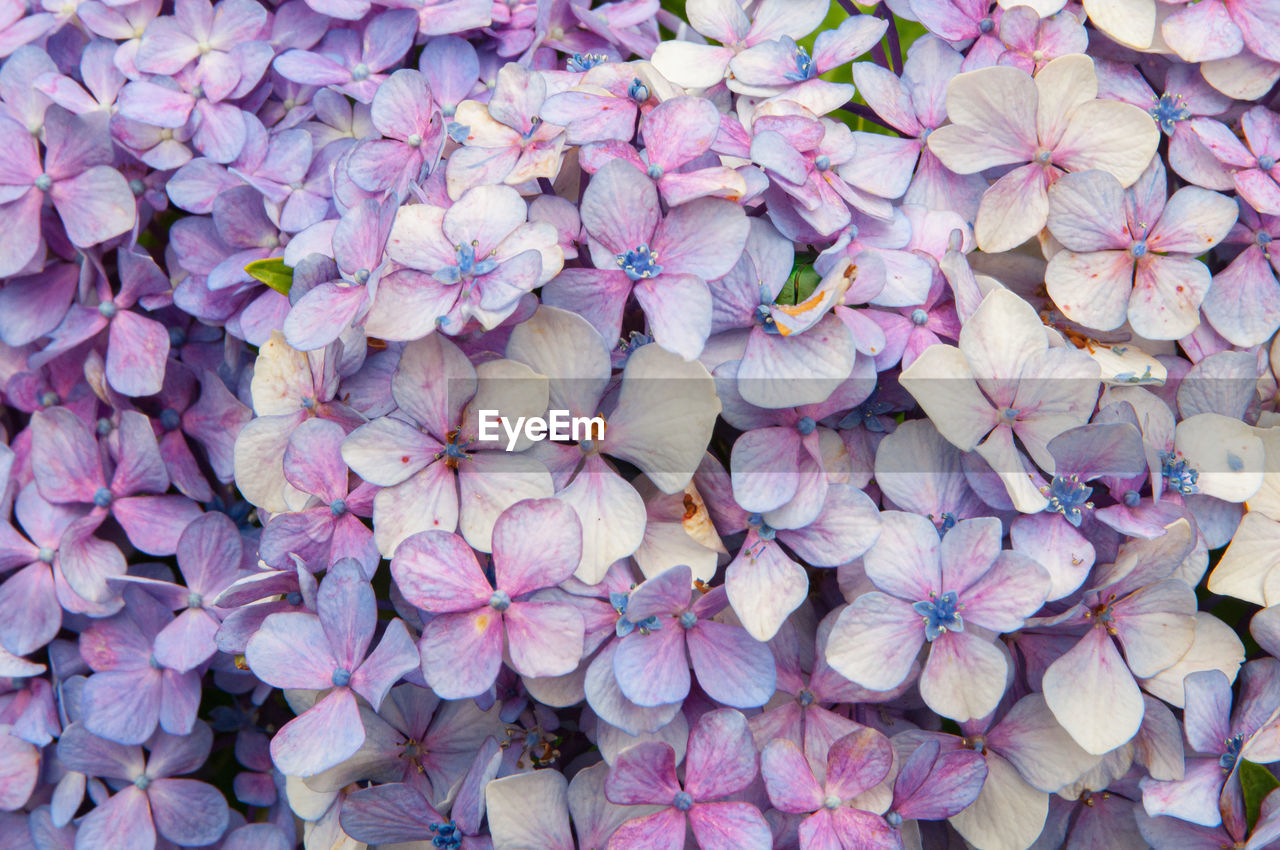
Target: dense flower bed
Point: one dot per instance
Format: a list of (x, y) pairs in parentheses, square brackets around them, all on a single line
[(539, 424)]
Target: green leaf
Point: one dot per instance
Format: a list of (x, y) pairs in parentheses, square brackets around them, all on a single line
[(799, 286), (1256, 782), (273, 272)]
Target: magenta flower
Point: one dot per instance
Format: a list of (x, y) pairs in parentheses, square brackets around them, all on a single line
[(403, 112), (221, 41), (210, 556), (329, 650), (92, 199), (536, 545), (721, 761)]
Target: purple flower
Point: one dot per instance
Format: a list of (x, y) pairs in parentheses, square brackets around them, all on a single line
[(69, 467), (1254, 170), (776, 66), (329, 651), (652, 663), (855, 764), (1209, 791), (434, 471), (536, 545), (1129, 255), (664, 261), (1122, 607), (92, 199), (352, 61), (130, 691), (150, 801), (505, 140), (929, 590), (470, 263), (721, 761), (1004, 379), (1001, 116)]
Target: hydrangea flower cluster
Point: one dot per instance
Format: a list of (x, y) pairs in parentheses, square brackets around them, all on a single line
[(554, 424)]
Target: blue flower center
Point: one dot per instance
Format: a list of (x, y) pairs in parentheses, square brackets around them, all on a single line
[(638, 91), (763, 530), (683, 801), (362, 275), (102, 497), (46, 554), (1178, 473), (108, 310), (169, 419), (688, 620), (293, 597), (307, 402), (414, 140), (177, 337), (986, 25), (1231, 753), (1043, 156), (1067, 495), (764, 318), (940, 614), (1266, 163), (585, 61), (142, 782), (919, 317), (654, 171), (360, 72), (194, 600), (1262, 238), (806, 425), (893, 819), (831, 802), (49, 399), (337, 507), (822, 163), (137, 187), (103, 426), (1168, 111), (468, 267), (341, 677), (805, 698), (640, 263), (1011, 413), (499, 601), (804, 66), (447, 836), (1131, 498), (44, 182), (1138, 249), (948, 523)]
